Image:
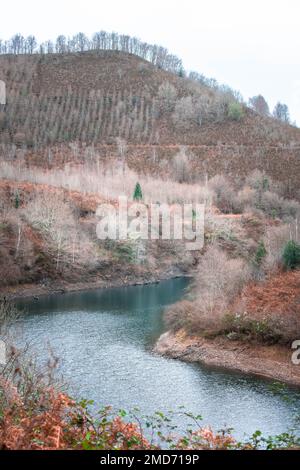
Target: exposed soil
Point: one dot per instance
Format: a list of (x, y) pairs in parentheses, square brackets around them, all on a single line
[(271, 362)]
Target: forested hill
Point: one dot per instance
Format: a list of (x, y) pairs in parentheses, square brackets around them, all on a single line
[(144, 99)]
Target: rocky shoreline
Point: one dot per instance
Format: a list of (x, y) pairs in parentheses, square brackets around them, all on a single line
[(34, 291), (268, 362)]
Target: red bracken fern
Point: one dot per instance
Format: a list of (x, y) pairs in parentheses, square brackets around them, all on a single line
[(41, 428), (56, 422)]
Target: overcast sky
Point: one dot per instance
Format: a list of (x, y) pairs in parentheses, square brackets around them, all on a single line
[(251, 45)]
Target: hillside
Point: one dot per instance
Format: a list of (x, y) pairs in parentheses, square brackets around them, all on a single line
[(94, 99), (81, 129)]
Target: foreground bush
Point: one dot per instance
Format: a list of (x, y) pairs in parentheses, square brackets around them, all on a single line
[(235, 111), (225, 197), (58, 423), (245, 327)]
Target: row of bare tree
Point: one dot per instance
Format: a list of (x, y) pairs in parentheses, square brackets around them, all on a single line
[(157, 55), (102, 40)]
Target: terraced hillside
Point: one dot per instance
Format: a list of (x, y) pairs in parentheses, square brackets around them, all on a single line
[(103, 104)]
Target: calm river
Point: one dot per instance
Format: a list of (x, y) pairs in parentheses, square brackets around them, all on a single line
[(104, 340)]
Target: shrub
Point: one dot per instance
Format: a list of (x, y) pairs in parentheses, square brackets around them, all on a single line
[(260, 254), (244, 327), (123, 251), (179, 316), (217, 227), (235, 111), (271, 328), (291, 255), (258, 180), (221, 275), (181, 166), (225, 196), (262, 193), (58, 423)]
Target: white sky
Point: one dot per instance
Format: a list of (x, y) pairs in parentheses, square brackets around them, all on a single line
[(252, 45)]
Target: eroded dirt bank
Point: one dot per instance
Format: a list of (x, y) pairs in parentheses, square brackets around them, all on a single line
[(271, 362)]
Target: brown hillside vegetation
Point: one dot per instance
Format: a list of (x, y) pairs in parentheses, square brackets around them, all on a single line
[(89, 120), (48, 238), (280, 294), (105, 99)]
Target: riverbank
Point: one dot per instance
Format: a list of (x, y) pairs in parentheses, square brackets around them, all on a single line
[(34, 291), (269, 362)]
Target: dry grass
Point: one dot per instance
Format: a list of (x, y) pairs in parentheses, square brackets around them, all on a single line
[(110, 183)]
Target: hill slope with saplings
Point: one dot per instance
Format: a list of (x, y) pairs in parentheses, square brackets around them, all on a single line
[(101, 104)]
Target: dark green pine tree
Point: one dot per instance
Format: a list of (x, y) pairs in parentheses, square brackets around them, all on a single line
[(17, 200), (291, 255), (137, 195), (261, 253)]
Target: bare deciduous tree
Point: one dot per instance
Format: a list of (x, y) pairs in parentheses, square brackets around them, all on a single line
[(167, 95), (281, 112), (259, 104)]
